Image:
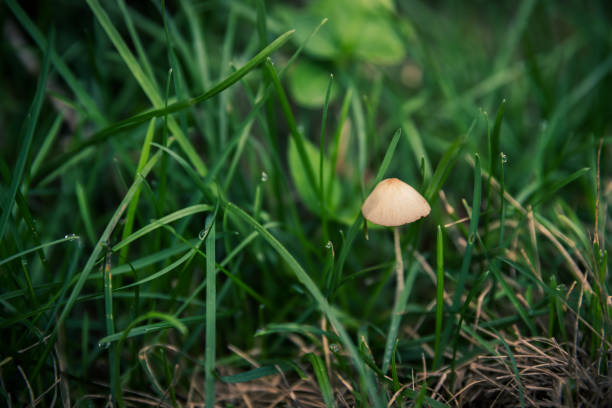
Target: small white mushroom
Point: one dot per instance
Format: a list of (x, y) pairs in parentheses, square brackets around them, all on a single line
[(393, 203)]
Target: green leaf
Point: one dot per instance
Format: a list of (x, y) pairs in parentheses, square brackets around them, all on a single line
[(308, 84), (300, 179)]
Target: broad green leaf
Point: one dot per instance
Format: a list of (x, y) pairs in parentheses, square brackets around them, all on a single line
[(298, 173), (308, 84)]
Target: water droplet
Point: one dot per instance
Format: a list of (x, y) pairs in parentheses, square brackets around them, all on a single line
[(202, 235), (103, 346), (329, 245), (334, 347), (504, 158), (264, 176), (71, 237)]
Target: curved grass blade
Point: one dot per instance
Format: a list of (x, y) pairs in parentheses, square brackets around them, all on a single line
[(138, 119), (31, 121), (155, 224), (320, 300)]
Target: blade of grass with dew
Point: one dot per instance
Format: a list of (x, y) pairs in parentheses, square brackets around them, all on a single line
[(438, 352), (209, 364), (322, 303), (321, 155), (27, 134), (137, 119), (494, 156), (336, 276), (104, 238), (68, 238), (25, 213), (155, 224), (186, 257)]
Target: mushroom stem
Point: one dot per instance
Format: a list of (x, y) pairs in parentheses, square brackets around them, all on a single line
[(399, 264)]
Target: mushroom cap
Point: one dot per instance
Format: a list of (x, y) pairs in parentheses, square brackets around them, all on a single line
[(393, 203)]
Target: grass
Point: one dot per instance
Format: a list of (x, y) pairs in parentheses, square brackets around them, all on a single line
[(181, 192)]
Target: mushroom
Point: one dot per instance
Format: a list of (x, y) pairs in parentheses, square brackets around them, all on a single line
[(393, 203)]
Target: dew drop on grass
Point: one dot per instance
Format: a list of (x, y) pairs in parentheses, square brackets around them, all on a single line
[(71, 237), (504, 158), (328, 245), (334, 347), (264, 176), (202, 234)]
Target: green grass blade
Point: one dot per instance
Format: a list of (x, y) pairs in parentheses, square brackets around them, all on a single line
[(103, 239), (84, 210), (90, 106), (31, 120), (131, 211), (438, 353), (467, 256), (67, 238), (320, 300), (323, 380), (295, 133), (135, 120), (396, 316), (209, 365), (321, 155), (46, 145), (336, 275), (155, 224)]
